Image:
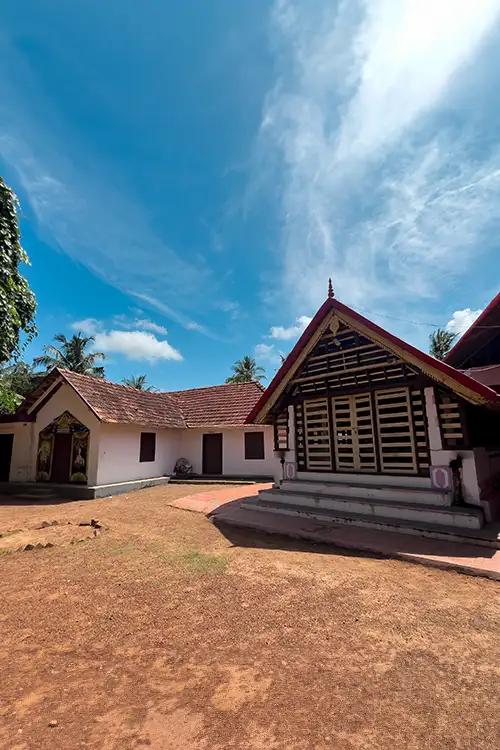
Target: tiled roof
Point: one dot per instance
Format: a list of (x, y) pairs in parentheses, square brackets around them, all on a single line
[(218, 406), (111, 402), (225, 405)]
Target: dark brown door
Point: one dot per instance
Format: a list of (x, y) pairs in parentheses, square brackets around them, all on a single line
[(6, 442), (61, 457), (212, 453)]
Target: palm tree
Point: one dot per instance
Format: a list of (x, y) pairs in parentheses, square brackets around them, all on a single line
[(139, 382), (245, 370), (441, 342), (72, 354)]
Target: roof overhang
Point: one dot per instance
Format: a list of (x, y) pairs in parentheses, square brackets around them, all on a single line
[(330, 313)]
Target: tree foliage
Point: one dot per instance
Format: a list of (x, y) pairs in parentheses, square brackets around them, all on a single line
[(16, 381), (17, 301), (72, 354), (245, 370), (441, 342), (139, 382)]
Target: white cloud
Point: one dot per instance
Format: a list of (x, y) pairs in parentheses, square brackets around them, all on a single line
[(87, 326), (461, 320), (135, 345), (293, 331), (379, 189), (149, 325), (268, 354)]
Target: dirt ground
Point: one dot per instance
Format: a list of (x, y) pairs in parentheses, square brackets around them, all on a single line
[(161, 631)]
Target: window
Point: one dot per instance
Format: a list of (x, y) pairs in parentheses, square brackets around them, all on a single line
[(254, 445), (148, 446)]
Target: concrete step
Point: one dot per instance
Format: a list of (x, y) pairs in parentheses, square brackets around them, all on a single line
[(379, 490), (484, 537), (467, 518)]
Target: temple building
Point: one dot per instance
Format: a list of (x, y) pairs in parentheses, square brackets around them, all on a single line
[(370, 430)]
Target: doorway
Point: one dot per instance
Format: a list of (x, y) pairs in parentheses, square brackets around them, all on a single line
[(354, 434), (61, 457), (6, 443), (212, 453)]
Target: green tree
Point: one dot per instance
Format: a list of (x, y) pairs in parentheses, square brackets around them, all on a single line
[(139, 382), (440, 343), (17, 301), (245, 370), (72, 354)]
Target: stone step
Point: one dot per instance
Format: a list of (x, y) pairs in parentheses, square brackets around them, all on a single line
[(468, 518), (480, 536), (376, 491)]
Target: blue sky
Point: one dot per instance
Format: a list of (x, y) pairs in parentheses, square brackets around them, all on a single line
[(191, 173)]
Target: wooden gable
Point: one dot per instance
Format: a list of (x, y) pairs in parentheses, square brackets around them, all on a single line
[(345, 360)]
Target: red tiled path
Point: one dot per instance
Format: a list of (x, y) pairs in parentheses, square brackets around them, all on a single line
[(207, 502), (223, 506)]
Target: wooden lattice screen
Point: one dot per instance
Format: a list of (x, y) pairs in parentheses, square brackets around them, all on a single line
[(317, 435), (451, 420), (281, 432)]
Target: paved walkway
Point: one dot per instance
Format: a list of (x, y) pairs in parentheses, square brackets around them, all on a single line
[(206, 502), (224, 506)]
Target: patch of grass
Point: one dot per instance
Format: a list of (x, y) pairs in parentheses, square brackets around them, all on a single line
[(202, 562)]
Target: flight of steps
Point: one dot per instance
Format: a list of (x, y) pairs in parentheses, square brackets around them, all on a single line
[(374, 502)]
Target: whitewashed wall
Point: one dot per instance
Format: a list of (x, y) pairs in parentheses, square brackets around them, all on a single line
[(65, 399), (119, 448), (21, 461), (233, 451)]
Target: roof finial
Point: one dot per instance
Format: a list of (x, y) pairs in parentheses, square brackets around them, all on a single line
[(330, 289)]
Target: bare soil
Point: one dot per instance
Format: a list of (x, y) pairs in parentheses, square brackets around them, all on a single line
[(164, 632)]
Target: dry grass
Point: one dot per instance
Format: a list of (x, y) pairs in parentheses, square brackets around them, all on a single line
[(167, 633)]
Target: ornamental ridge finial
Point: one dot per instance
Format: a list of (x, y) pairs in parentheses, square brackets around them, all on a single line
[(330, 289)]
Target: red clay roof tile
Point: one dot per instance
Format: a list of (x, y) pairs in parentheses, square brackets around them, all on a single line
[(214, 406)]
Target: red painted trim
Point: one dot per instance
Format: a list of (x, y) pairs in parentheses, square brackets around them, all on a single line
[(334, 305), (495, 302)]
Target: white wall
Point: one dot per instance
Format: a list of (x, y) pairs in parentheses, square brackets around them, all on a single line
[(119, 448), (233, 451), (65, 399), (21, 461)]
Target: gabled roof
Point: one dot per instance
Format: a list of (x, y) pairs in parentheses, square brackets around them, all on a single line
[(441, 372), (226, 405), (217, 406), (477, 336)]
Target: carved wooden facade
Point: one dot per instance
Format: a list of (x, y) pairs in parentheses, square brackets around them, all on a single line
[(358, 408)]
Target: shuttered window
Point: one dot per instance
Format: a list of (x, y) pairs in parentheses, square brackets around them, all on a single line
[(254, 445), (148, 447)]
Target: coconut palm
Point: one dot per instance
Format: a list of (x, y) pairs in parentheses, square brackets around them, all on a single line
[(72, 354), (441, 341), (245, 370), (139, 382)]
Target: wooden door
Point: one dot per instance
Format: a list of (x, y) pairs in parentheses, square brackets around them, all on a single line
[(61, 457), (396, 431), (212, 453), (353, 433), (6, 443), (317, 434)]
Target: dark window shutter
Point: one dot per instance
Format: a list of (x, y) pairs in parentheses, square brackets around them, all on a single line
[(254, 445), (148, 446)]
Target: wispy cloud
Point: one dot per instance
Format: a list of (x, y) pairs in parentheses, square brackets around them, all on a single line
[(381, 188), (461, 320), (83, 205)]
